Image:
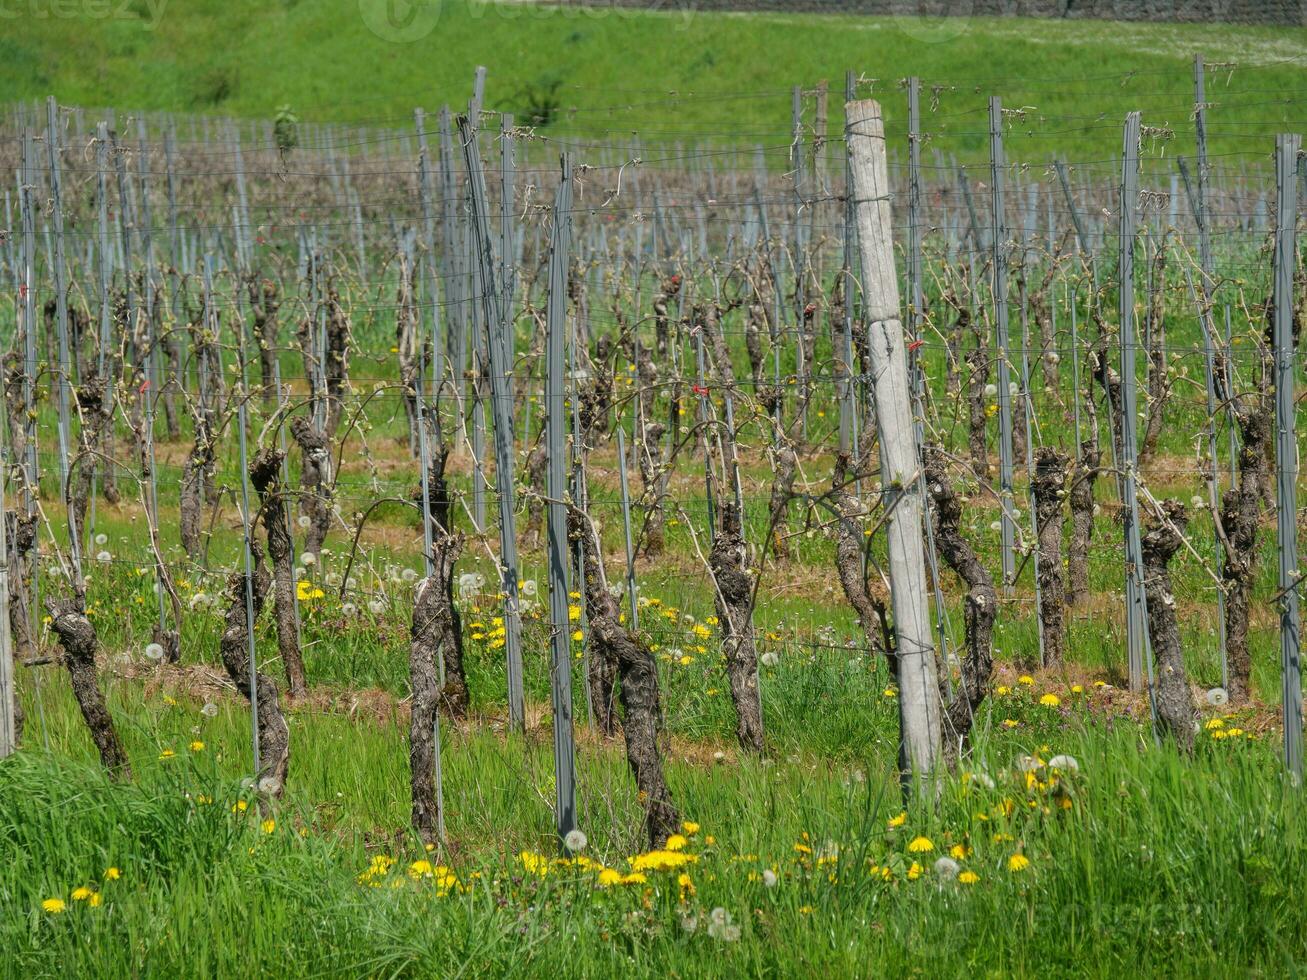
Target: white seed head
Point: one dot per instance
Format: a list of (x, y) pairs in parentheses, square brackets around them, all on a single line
[(575, 841), (154, 651), (946, 868)]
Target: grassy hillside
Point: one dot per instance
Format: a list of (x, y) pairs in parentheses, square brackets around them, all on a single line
[(674, 74)]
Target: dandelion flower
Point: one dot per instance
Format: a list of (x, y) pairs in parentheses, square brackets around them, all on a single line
[(769, 878), (112, 874), (721, 927), (103, 556), (921, 845), (1018, 862), (102, 538), (898, 821), (197, 746), (54, 905), (210, 710), (968, 877), (676, 842), (269, 825), (1217, 696), (690, 827), (81, 894), (308, 559), (154, 651), (1065, 763), (769, 659), (1050, 700), (1025, 679), (946, 868), (575, 841)]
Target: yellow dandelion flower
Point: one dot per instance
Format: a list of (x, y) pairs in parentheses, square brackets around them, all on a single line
[(269, 825), (1050, 700), (968, 877), (959, 851), (112, 874), (81, 894), (197, 746), (898, 821), (690, 827), (1018, 862), (54, 905), (95, 900), (676, 842), (1025, 679), (921, 845)]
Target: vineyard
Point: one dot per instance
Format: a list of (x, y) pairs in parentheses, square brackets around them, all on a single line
[(452, 546)]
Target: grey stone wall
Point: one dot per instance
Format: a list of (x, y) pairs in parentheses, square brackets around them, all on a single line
[(1272, 12)]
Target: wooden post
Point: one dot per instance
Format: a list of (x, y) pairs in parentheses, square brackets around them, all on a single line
[(919, 704)]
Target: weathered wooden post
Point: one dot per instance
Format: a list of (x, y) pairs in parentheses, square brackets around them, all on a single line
[(919, 704)]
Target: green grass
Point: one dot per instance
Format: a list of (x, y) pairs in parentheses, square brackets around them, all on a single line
[(1156, 864), (667, 75)]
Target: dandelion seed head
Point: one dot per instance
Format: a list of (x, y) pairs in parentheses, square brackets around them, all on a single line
[(575, 841)]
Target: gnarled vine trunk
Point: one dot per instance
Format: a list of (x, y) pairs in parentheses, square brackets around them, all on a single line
[(729, 563), (979, 608), (265, 477), (1175, 704), (79, 641), (315, 480), (611, 642), (1049, 490)]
